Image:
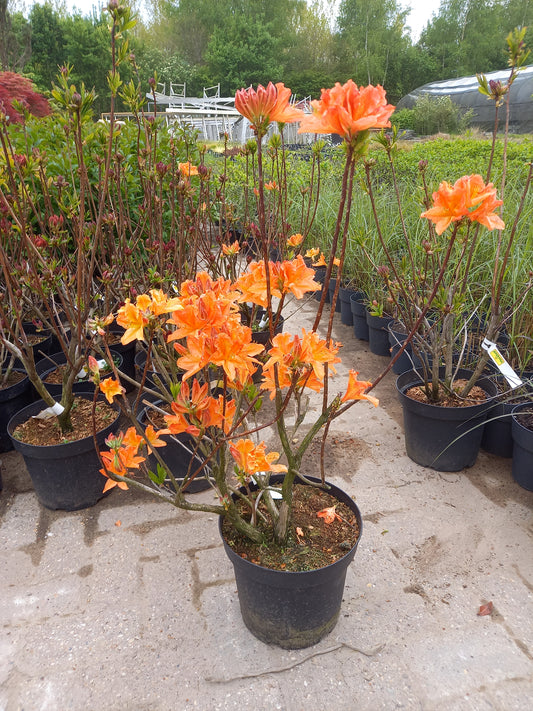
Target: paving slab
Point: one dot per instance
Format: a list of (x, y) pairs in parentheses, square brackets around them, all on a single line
[(132, 604)]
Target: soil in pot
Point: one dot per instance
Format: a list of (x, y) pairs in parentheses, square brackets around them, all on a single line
[(312, 542)]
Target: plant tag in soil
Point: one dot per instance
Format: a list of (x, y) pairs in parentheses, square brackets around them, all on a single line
[(49, 412), (500, 362)]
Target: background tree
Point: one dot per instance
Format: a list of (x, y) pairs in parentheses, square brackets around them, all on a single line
[(15, 39), (371, 39), (47, 45)]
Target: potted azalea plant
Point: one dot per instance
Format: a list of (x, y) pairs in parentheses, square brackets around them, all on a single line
[(73, 214), (437, 299), (271, 513)]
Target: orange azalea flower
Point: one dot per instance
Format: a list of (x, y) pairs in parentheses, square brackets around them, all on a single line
[(285, 277), (152, 438), (329, 515), (295, 240), (303, 357), (133, 320), (111, 387), (235, 353), (195, 356), (321, 262), (312, 253), (297, 278), (468, 197), (187, 169), (230, 250), (161, 304), (252, 459), (346, 110), (356, 389), (120, 458), (201, 314), (271, 185), (264, 106)]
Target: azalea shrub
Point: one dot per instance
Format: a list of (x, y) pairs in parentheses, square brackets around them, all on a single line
[(230, 390), (92, 213)]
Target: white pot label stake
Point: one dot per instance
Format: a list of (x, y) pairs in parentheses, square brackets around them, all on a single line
[(49, 412), (500, 362)]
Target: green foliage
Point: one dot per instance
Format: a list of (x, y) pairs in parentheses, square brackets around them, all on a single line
[(439, 115), (403, 119)]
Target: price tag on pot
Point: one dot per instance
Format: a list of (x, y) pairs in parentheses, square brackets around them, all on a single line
[(500, 362)]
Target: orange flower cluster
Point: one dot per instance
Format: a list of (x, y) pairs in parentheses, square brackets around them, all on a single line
[(123, 454), (300, 361), (347, 110), (195, 411), (134, 317), (469, 197), (292, 277), (264, 106), (252, 459)]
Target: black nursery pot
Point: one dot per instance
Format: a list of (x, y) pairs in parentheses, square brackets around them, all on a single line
[(408, 360), (345, 296), (332, 284), (360, 326), (127, 352), (320, 275), (446, 439), (43, 346), (177, 455), (13, 399), (289, 609), (522, 468), (378, 334), (64, 476)]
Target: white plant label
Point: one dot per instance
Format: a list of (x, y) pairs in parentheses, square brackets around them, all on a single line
[(500, 362), (49, 412)]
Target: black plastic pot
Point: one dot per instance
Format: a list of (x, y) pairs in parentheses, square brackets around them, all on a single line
[(12, 399), (127, 353), (378, 334), (522, 467), (407, 360), (446, 439), (177, 455), (64, 476), (320, 275), (46, 366), (346, 307), (42, 346), (360, 326), (292, 610), (497, 437), (332, 283)]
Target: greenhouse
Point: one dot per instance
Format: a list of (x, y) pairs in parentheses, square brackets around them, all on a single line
[(464, 92)]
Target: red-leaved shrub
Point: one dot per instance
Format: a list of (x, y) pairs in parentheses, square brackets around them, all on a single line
[(16, 87)]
